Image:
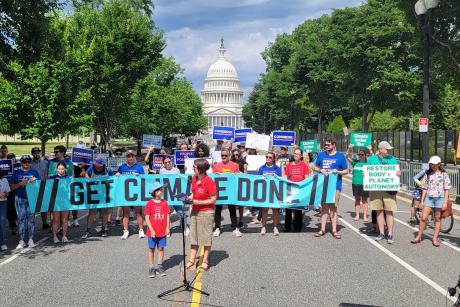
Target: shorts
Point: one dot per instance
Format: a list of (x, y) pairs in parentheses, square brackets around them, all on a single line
[(201, 227), (159, 242), (382, 200), (417, 194), (434, 202), (337, 199), (358, 190)]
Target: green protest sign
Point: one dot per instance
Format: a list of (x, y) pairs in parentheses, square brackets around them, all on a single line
[(381, 177), (361, 139), (309, 146)]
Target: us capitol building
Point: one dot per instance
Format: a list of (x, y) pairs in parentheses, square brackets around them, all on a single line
[(222, 97)]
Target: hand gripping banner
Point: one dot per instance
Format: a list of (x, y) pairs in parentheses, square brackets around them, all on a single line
[(238, 189)]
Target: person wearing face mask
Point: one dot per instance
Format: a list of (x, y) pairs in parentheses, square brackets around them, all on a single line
[(331, 161), (131, 167)]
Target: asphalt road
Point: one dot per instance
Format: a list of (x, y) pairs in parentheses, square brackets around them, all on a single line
[(294, 269)]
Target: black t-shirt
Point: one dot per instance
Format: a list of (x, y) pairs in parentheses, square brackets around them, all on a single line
[(77, 171)]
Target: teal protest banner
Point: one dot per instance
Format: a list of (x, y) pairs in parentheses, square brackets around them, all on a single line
[(238, 189), (360, 139)]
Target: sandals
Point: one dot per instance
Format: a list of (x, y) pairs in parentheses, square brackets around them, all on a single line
[(190, 265), (319, 233), (436, 243), (337, 235), (415, 240), (204, 266)]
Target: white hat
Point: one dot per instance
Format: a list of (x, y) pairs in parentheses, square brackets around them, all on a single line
[(434, 160), (385, 145)]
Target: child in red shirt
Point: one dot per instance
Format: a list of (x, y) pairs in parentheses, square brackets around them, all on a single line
[(157, 218)]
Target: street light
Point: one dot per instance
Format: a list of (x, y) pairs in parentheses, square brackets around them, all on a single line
[(423, 8)]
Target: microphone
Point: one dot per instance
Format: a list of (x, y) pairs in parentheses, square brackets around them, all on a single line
[(182, 197)]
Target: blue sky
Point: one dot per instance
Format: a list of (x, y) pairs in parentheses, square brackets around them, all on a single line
[(193, 29)]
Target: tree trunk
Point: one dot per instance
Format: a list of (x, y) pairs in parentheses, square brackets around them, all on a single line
[(43, 144), (320, 120), (367, 121), (67, 141), (139, 145)]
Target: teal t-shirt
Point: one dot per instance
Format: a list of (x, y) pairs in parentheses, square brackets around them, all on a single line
[(375, 160), (357, 172)]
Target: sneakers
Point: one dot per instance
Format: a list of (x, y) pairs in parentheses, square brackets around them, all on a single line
[(237, 233), (263, 231), (141, 233), (69, 224), (276, 231), (3, 247), (390, 239), (240, 224), (56, 240), (64, 239), (216, 232), (160, 271), (152, 272), (187, 231), (125, 235), (21, 245), (380, 237), (75, 223), (104, 232), (31, 243), (117, 222), (86, 235)]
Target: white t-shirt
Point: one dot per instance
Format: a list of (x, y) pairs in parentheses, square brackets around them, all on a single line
[(174, 171), (4, 188)]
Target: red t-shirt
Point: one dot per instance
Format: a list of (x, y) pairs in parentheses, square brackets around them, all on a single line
[(297, 172), (158, 216), (221, 168), (203, 191)]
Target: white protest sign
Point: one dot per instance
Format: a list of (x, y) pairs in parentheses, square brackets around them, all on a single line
[(258, 141), (115, 162), (255, 162), (151, 140), (189, 165), (381, 177)]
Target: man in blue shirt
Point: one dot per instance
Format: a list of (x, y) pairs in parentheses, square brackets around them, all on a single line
[(26, 219), (131, 167), (331, 161)]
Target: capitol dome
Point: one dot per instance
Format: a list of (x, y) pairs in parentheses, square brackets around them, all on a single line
[(222, 96)]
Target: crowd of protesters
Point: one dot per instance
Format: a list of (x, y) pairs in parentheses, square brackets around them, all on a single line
[(204, 218)]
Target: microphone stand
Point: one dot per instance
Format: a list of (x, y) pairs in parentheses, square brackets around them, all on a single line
[(186, 285)]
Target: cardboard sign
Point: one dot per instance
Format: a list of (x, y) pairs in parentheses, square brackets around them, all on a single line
[(423, 124), (189, 165), (240, 134), (82, 155), (6, 166), (360, 139), (255, 162), (223, 133), (181, 155), (381, 177), (151, 140), (309, 146), (258, 141), (283, 138)]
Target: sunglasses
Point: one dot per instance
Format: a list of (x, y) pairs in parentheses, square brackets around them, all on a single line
[(268, 157), (167, 162), (361, 155), (327, 145), (56, 152)]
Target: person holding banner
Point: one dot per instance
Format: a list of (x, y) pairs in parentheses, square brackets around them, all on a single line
[(331, 161), (270, 169), (169, 169), (295, 171), (361, 196), (223, 167), (243, 165), (4, 190), (435, 195), (61, 217), (204, 196), (283, 157), (21, 177), (384, 201), (41, 166), (131, 167)]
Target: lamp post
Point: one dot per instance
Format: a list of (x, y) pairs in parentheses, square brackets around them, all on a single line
[(423, 9)]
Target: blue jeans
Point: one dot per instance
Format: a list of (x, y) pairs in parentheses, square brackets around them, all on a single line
[(180, 212), (26, 219), (434, 202), (2, 221)]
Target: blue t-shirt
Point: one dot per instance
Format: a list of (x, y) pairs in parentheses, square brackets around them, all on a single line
[(136, 169), (270, 170), (18, 175), (106, 172), (329, 162)]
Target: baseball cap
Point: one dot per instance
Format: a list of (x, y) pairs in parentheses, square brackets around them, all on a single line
[(283, 148), (434, 160), (130, 152), (385, 145), (35, 149), (99, 161), (26, 159), (155, 186)]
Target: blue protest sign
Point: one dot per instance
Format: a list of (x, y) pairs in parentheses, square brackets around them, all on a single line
[(283, 138), (6, 166), (181, 155), (151, 140), (82, 155), (223, 133), (16, 166), (130, 190), (240, 134), (158, 161)]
